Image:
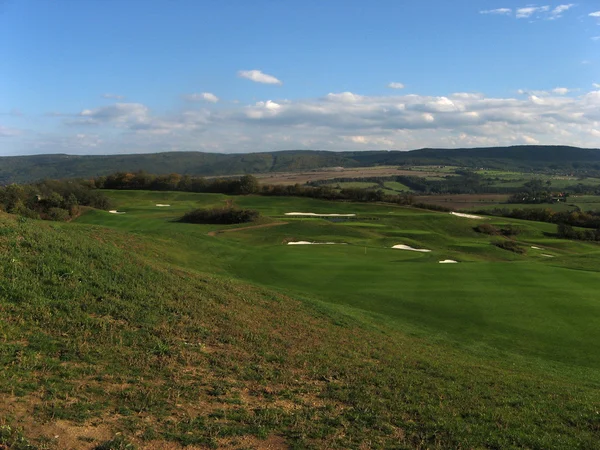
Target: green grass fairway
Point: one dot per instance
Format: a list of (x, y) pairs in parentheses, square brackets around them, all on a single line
[(494, 303)]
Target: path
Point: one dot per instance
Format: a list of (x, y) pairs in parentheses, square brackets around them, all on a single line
[(229, 230)]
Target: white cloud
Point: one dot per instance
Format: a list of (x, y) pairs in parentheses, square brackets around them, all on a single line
[(529, 140), (557, 12), (595, 14), (113, 96), (9, 132), (336, 121), (500, 11), (596, 85), (596, 38), (533, 11), (259, 77), (345, 97), (525, 13), (204, 96), (561, 91), (395, 85)]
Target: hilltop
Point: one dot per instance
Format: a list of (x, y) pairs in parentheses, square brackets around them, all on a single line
[(31, 168)]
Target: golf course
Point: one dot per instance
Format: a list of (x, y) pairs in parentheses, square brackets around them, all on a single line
[(540, 307), (321, 324)]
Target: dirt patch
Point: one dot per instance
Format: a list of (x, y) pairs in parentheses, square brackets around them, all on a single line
[(290, 178), (253, 227), (62, 434)]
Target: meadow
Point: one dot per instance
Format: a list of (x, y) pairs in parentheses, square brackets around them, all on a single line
[(355, 345)]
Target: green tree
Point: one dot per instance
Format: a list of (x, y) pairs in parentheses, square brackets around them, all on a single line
[(249, 185)]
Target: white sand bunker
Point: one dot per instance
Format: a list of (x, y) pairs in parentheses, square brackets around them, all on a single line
[(114, 211), (407, 247), (319, 215), (547, 256), (466, 216), (536, 248), (448, 261), (315, 243), (160, 204)]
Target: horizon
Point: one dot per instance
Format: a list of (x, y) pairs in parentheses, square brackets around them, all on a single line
[(304, 150), (151, 77)]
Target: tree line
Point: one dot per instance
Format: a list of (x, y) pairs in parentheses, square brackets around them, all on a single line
[(51, 199)]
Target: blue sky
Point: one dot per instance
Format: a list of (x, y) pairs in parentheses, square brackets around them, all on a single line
[(108, 76)]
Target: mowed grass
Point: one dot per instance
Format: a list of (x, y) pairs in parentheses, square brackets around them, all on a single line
[(493, 302), (138, 324)]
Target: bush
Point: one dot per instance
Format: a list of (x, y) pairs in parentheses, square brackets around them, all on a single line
[(487, 228), (223, 216), (58, 214), (511, 246)]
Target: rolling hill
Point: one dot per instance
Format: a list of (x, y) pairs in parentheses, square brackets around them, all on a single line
[(122, 331), (30, 168)]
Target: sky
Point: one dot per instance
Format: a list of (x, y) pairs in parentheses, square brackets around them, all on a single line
[(231, 76)]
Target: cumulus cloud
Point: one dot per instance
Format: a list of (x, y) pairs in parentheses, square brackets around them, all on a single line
[(338, 121), (596, 85), (344, 97), (259, 77), (500, 11), (113, 96), (203, 96), (395, 85), (595, 14)]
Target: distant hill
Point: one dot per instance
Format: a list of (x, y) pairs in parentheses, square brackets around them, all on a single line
[(31, 168)]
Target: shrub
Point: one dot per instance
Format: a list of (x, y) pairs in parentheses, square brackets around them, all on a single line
[(511, 246), (487, 228), (224, 216), (58, 214)]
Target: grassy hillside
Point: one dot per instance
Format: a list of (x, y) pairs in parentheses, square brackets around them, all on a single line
[(156, 330), (31, 168)]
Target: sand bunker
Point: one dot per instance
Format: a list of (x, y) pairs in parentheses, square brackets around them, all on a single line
[(319, 215), (315, 243), (448, 261), (537, 248), (547, 256), (114, 211), (160, 204), (467, 216), (407, 247)]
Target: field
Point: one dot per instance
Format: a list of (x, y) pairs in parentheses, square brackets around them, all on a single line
[(286, 178), (367, 274), (355, 345)]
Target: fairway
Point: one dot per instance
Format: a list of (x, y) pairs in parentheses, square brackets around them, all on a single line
[(494, 303)]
